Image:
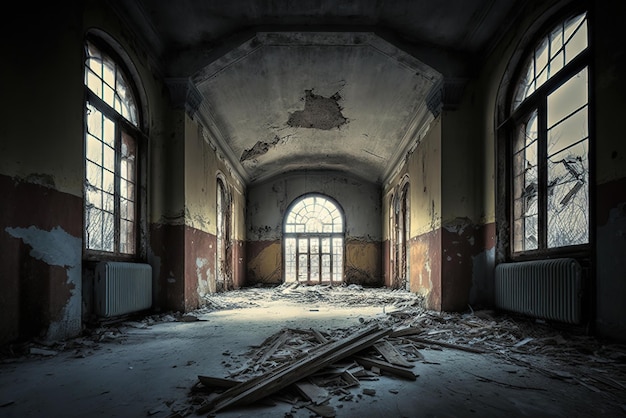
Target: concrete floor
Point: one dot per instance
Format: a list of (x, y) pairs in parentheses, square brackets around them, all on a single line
[(140, 369)]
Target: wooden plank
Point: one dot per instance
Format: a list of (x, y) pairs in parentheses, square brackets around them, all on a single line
[(391, 354), (218, 382), (318, 336), (447, 345), (274, 380), (349, 378), (408, 330), (279, 341), (388, 367), (312, 392)]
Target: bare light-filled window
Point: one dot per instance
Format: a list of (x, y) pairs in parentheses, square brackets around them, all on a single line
[(110, 158), (314, 241), (550, 149)]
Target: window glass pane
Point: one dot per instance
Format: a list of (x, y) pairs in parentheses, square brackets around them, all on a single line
[(576, 44), (108, 134), (108, 83), (94, 175), (94, 198), (109, 158), (303, 268), (127, 237), (108, 72), (108, 181), (525, 186), (568, 205), (568, 98), (326, 264), (315, 267), (93, 228), (94, 149), (108, 232), (554, 51), (108, 202), (568, 132), (290, 259), (94, 121)]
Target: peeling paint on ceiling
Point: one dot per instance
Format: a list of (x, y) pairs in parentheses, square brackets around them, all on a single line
[(319, 112)]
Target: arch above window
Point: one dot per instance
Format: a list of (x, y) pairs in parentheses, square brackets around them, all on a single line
[(314, 241), (107, 81), (550, 55), (314, 214)]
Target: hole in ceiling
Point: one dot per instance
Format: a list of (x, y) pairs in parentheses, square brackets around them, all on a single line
[(319, 112)]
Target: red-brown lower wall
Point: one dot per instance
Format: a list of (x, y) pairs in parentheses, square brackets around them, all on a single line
[(167, 257), (464, 247), (239, 263), (40, 238), (183, 261), (425, 267), (453, 265)]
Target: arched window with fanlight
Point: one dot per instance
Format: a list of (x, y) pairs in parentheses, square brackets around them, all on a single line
[(111, 155), (547, 128), (314, 241)]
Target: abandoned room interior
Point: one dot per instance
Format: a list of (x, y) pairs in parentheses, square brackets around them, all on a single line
[(202, 179)]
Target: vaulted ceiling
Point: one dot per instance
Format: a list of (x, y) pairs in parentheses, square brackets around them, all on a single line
[(338, 85)]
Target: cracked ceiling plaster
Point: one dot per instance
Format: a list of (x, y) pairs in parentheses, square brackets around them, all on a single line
[(318, 84)]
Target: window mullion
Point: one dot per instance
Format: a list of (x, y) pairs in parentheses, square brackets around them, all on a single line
[(542, 175), (117, 185)]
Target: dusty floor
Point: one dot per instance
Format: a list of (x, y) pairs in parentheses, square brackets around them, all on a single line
[(150, 366)]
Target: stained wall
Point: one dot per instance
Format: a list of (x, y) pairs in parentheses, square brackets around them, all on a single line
[(267, 205)]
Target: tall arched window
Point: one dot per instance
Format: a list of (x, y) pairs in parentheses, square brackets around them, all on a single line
[(314, 241), (111, 156), (548, 130), (224, 276)]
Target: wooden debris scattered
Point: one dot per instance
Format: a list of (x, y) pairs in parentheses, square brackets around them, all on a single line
[(387, 367), (447, 345), (281, 377), (312, 392), (390, 354)]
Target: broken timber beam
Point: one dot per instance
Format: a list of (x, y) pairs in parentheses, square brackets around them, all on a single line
[(391, 354), (274, 380), (447, 345), (388, 367)]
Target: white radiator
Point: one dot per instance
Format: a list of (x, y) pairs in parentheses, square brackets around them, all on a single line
[(121, 288), (547, 289)]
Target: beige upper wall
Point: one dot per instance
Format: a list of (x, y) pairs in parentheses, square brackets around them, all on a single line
[(201, 167), (423, 168)]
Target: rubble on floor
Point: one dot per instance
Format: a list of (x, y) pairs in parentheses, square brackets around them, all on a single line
[(309, 380)]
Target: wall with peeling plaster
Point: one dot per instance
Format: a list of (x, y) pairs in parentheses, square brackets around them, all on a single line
[(423, 167), (610, 90), (267, 205), (41, 181)]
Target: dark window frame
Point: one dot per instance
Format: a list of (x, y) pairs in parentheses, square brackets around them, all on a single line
[(122, 126), (507, 129)]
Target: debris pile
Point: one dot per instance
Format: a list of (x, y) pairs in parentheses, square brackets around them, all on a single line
[(306, 368)]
